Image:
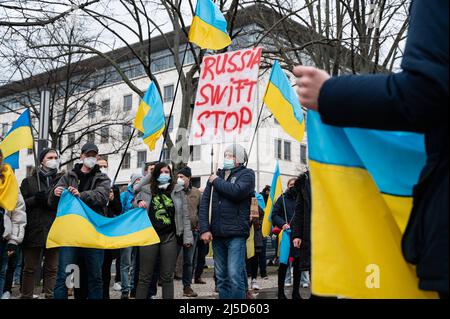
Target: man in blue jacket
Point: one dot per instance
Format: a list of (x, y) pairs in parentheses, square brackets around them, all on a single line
[(232, 189), (416, 100)]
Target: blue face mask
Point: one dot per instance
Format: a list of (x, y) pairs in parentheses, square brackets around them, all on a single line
[(228, 164), (164, 178)]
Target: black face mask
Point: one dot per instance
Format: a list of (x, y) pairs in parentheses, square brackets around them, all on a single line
[(292, 192)]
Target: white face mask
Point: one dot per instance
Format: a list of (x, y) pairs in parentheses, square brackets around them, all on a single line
[(90, 162), (104, 170), (52, 164), (180, 182)]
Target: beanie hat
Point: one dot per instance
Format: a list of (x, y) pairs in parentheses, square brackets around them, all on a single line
[(238, 152), (44, 152), (186, 171)]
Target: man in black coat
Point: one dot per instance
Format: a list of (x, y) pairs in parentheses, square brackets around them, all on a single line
[(231, 191), (40, 218), (416, 100)]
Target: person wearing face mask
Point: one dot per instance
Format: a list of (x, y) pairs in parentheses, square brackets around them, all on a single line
[(232, 190), (282, 215), (87, 182), (193, 198), (169, 214), (40, 219), (12, 220)]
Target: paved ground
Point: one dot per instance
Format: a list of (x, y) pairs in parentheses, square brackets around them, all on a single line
[(268, 288)]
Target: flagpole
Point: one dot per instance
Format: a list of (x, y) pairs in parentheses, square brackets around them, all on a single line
[(173, 102), (36, 162), (123, 157)]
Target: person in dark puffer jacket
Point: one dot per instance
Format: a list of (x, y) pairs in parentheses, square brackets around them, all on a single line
[(232, 190)]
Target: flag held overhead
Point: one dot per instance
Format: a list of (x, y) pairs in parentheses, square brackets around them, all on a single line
[(150, 118), (283, 102), (209, 27), (18, 138)]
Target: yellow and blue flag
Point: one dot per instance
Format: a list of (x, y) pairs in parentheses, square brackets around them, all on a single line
[(9, 189), (150, 118), (284, 246), (209, 27), (283, 102), (362, 184), (18, 138), (76, 225), (276, 190)]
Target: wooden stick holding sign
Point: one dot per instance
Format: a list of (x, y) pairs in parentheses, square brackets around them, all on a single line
[(215, 169)]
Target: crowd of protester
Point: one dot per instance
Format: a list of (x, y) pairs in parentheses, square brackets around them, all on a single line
[(185, 218)]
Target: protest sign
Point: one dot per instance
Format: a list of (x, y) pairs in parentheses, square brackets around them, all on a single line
[(225, 98)]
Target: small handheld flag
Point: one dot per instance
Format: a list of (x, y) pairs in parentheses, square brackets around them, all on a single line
[(150, 117), (18, 138)]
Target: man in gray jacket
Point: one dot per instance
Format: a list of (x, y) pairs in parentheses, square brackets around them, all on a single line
[(87, 182)]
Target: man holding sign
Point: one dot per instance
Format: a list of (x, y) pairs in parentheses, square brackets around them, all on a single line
[(234, 187)]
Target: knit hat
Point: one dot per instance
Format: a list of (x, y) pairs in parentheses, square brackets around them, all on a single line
[(44, 152), (135, 177), (239, 152), (186, 171)]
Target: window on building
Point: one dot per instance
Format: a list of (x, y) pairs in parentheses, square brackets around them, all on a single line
[(92, 109), (30, 151), (106, 107), (303, 154), (59, 115), (166, 155), (104, 135), (91, 137), (170, 124), (169, 92), (196, 154), (71, 138), (126, 161), (127, 102), (126, 132), (287, 151), (278, 149), (141, 158)]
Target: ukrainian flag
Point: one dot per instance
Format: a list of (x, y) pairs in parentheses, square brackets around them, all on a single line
[(9, 188), (76, 225), (362, 183), (284, 246), (19, 137), (283, 102), (150, 117), (275, 191), (209, 27)]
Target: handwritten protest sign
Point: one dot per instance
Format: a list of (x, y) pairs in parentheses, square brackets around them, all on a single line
[(225, 99)]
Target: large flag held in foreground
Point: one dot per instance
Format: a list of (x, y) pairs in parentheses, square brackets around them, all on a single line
[(9, 189), (18, 138), (276, 190), (362, 182), (76, 225), (209, 27), (283, 102), (150, 118)]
